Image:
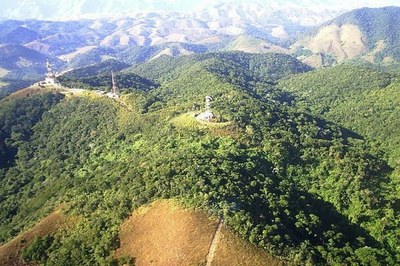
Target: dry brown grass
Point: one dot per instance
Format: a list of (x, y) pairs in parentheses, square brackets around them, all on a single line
[(253, 45), (32, 90), (344, 42), (233, 250), (352, 41), (9, 252), (26, 92), (164, 233), (314, 60)]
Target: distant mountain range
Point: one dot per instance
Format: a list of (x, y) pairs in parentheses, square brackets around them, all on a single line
[(369, 35), (220, 144)]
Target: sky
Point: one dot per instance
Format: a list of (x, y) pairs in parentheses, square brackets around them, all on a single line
[(71, 9)]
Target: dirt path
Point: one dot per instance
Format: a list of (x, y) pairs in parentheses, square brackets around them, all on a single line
[(214, 244)]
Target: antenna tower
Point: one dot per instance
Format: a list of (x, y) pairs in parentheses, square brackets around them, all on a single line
[(208, 103), (114, 89)]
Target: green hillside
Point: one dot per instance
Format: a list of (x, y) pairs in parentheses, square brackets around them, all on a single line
[(365, 101), (96, 69), (301, 187), (377, 24), (360, 99), (98, 76), (254, 67)]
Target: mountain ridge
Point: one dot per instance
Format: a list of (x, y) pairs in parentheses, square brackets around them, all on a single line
[(301, 187), (224, 27)]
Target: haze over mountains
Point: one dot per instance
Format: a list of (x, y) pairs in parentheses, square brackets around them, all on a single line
[(248, 27), (296, 159), (78, 9), (315, 34), (27, 44)]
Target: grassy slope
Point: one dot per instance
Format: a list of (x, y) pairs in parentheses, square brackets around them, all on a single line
[(164, 233), (233, 250), (362, 36), (385, 26), (9, 252)]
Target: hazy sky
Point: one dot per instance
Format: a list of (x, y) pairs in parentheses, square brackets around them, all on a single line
[(56, 9)]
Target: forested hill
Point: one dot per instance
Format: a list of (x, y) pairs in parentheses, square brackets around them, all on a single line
[(361, 99), (377, 24), (368, 35), (242, 69), (302, 188), (98, 77), (100, 68), (270, 66)]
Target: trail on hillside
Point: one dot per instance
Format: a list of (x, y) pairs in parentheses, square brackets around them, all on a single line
[(214, 243), (76, 91)]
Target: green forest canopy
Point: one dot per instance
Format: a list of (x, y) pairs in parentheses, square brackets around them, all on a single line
[(281, 175)]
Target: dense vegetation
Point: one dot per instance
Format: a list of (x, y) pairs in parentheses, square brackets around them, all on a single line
[(96, 69), (365, 101), (278, 173), (104, 82), (361, 99), (18, 118)]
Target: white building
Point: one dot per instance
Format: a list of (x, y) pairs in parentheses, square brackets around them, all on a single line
[(207, 115)]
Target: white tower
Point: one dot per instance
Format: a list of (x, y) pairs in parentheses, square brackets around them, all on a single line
[(207, 115), (208, 100)]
